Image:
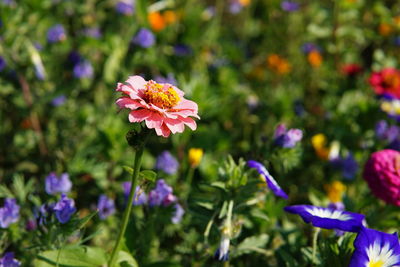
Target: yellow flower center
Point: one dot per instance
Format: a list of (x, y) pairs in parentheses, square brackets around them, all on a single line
[(375, 264), (162, 95)]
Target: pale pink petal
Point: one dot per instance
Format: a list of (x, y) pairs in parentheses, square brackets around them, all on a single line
[(139, 115), (155, 120), (136, 82), (126, 102), (189, 122), (185, 113), (187, 104), (176, 126)]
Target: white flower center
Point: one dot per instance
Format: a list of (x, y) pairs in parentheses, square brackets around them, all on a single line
[(327, 213), (381, 256)]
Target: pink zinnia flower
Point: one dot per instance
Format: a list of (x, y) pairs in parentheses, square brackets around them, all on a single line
[(160, 105), (386, 81), (382, 172)]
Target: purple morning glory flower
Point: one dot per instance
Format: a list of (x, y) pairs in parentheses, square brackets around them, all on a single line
[(272, 184), (381, 128), (309, 47), (167, 163), (64, 209), (337, 206), (137, 200), (9, 213), (182, 50), (144, 38), (161, 195), (105, 206), (375, 248), (54, 184), (83, 69), (349, 166), (287, 139), (328, 218), (9, 261), (2, 63), (56, 34), (59, 100), (125, 7), (178, 214), (169, 79), (290, 6)]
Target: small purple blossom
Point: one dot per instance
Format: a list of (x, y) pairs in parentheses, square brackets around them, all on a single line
[(144, 38), (2, 63), (182, 50), (9, 261), (105, 206), (309, 47), (328, 218), (64, 209), (161, 195), (167, 163), (56, 34), (58, 101), (125, 7), (287, 139), (31, 225), (272, 184), (93, 32), (54, 184), (290, 6), (83, 69), (235, 7), (9, 213), (396, 41), (137, 199), (349, 166), (74, 57), (381, 128), (43, 212), (178, 214), (169, 79)]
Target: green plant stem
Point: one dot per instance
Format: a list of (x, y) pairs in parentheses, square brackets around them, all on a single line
[(314, 246), (125, 218)]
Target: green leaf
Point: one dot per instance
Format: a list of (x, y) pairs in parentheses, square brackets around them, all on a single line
[(128, 169), (252, 244), (125, 259), (86, 219), (72, 257), (148, 175)]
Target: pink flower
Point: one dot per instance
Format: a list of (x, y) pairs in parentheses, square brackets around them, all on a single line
[(386, 81), (160, 105), (382, 172)]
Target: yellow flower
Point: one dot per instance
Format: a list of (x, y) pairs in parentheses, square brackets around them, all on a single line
[(244, 2), (318, 142), (314, 58), (195, 156), (278, 64), (170, 17), (335, 191)]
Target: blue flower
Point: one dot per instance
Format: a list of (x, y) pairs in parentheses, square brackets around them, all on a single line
[(161, 195), (105, 206), (349, 166), (64, 209), (54, 184), (9, 213), (309, 47), (125, 7), (178, 214), (381, 128), (9, 261), (328, 218), (222, 252), (59, 100), (272, 184), (137, 199), (287, 139), (169, 79), (2, 63), (42, 213), (290, 6), (375, 248), (167, 163), (56, 34), (83, 69), (93, 32), (182, 50), (144, 38)]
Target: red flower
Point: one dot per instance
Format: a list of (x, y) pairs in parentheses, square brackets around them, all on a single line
[(351, 69), (386, 81)]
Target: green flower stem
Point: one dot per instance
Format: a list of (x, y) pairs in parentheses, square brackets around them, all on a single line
[(314, 245), (125, 218)]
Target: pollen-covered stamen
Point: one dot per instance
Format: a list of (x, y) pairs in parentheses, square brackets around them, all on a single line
[(161, 95)]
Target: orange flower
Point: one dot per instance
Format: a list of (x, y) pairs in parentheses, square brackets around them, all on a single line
[(385, 29), (278, 64), (170, 17), (314, 58), (244, 2), (335, 191), (157, 21)]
